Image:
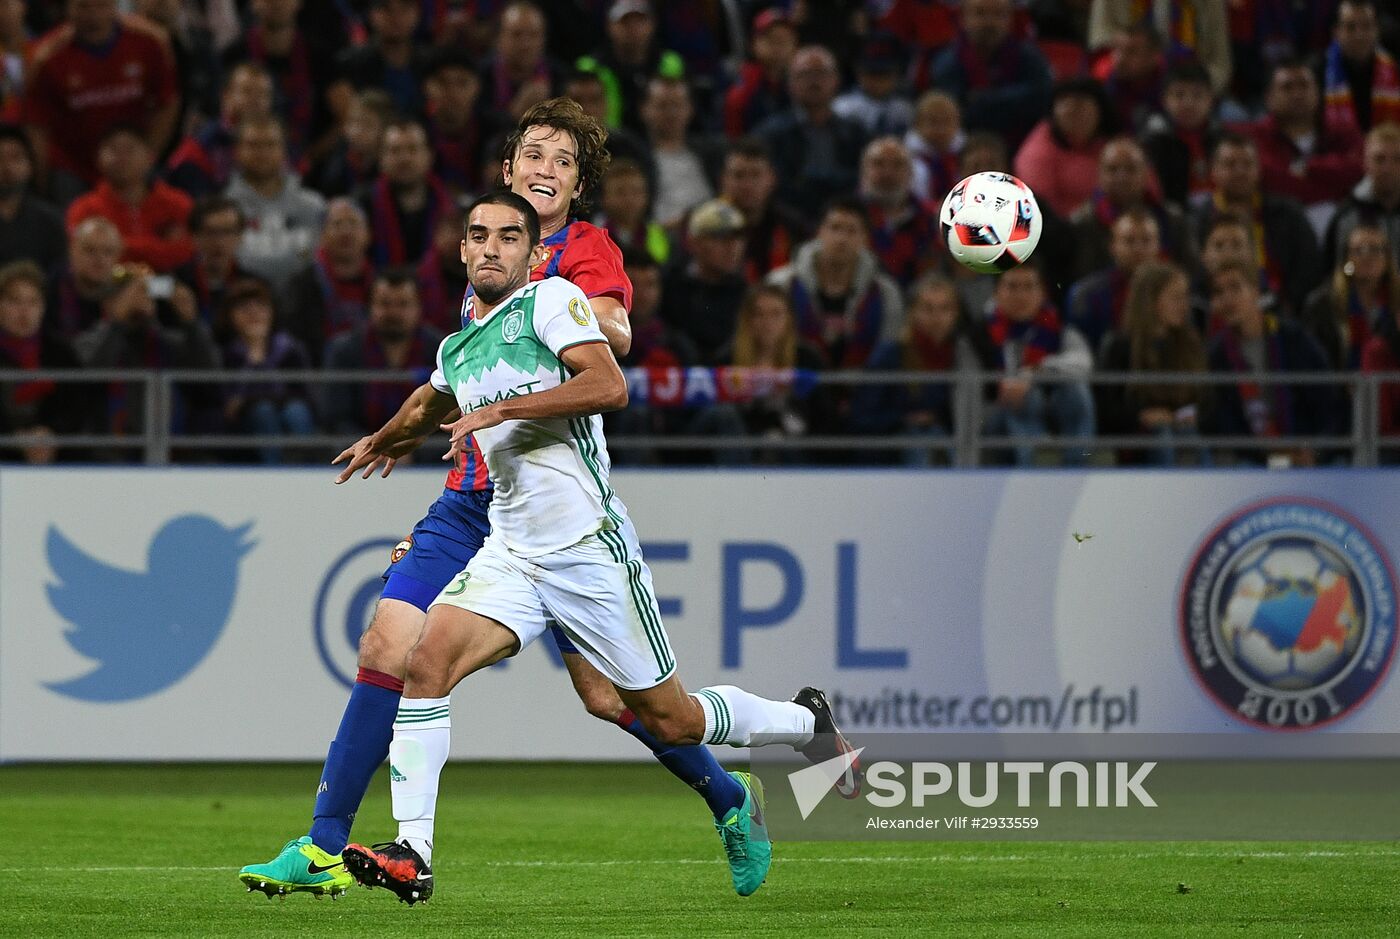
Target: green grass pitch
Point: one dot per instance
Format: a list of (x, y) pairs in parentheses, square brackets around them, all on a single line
[(606, 850)]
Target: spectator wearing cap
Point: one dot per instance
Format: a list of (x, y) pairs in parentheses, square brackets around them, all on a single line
[(407, 199), (31, 229), (935, 143), (150, 214), (283, 216), (772, 229), (1302, 152), (685, 164), (629, 59), (1133, 77), (303, 67), (37, 408), (903, 228), (1060, 157), (329, 296), (876, 102), (216, 227), (1288, 253), (1360, 81), (702, 294), (1002, 83), (845, 304), (1376, 199), (454, 122), (201, 164), (390, 60), (352, 161), (1179, 138), (1189, 29), (1124, 182), (761, 89), (815, 151), (99, 70)]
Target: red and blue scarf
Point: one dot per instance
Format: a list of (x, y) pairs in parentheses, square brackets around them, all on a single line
[(390, 245), (1339, 108), (1037, 338)]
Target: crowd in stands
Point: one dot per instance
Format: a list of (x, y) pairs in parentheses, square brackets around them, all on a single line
[(256, 185)]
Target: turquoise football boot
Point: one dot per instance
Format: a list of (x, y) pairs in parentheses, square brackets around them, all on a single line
[(745, 838), (300, 868)]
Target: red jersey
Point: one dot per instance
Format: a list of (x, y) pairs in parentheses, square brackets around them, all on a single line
[(584, 254), (77, 93), (154, 231)]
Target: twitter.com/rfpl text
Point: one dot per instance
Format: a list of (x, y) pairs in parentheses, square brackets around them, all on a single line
[(1071, 709)]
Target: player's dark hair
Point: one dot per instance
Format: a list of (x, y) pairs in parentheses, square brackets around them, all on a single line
[(590, 137), (510, 200), (214, 205), (396, 276)]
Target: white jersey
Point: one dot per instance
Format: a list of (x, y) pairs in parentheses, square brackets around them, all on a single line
[(551, 475)]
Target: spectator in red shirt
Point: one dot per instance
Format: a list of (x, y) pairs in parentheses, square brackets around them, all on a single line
[(202, 163), (151, 215), (761, 89), (903, 229), (1303, 153), (1059, 158), (93, 73)]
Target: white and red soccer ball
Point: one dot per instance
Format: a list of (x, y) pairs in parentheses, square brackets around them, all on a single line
[(990, 222)]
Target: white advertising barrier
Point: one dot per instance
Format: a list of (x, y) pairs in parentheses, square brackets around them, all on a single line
[(193, 614)]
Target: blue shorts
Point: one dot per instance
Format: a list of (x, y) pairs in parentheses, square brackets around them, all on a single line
[(439, 547), (438, 550)]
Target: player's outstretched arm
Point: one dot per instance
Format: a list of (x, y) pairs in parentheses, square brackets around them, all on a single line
[(402, 434), (612, 320), (596, 385)]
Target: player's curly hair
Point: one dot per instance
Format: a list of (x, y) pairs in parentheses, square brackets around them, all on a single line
[(590, 136)]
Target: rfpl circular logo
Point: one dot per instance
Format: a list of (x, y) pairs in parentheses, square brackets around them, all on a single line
[(1288, 614)]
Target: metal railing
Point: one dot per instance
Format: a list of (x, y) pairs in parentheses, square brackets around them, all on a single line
[(965, 446)]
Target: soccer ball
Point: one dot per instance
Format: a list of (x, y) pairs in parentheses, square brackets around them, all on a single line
[(990, 222), (1292, 613)]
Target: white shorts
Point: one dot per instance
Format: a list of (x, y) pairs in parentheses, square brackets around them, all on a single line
[(599, 592)]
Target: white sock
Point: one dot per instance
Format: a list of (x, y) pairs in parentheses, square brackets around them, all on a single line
[(422, 736), (736, 717)]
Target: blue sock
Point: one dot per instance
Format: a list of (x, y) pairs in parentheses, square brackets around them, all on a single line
[(694, 765), (360, 745)]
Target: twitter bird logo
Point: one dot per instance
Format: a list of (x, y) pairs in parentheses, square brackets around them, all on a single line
[(146, 630)]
